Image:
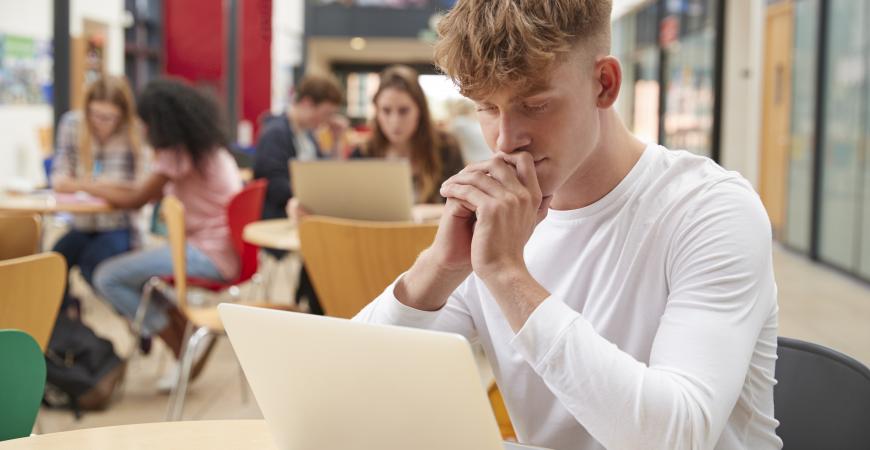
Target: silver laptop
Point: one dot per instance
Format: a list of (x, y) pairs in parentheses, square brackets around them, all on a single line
[(326, 383), (370, 189)]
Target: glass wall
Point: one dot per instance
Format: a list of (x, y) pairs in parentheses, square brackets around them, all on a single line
[(635, 43), (681, 34), (688, 36), (844, 112), (803, 116)]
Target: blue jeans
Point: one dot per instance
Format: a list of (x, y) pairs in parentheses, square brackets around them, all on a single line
[(120, 281), (88, 249)]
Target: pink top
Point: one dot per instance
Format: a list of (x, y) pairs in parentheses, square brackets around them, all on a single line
[(205, 194)]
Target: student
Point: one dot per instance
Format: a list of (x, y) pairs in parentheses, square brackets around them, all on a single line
[(623, 292), (290, 136), (403, 129), (101, 143), (191, 162)]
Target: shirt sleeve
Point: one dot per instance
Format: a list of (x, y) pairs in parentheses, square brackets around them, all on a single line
[(173, 164), (66, 151), (270, 162), (454, 317), (722, 292)]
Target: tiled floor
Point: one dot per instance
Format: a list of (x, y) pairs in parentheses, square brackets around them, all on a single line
[(816, 304)]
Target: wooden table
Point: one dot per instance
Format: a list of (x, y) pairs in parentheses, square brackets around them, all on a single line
[(191, 435), (282, 234), (48, 202)]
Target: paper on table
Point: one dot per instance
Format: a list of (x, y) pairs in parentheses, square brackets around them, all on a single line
[(78, 198)]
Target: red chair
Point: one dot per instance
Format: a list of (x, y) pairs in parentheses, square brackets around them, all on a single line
[(244, 208)]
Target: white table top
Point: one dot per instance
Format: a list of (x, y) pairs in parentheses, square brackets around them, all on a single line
[(49, 202), (282, 234), (189, 435)]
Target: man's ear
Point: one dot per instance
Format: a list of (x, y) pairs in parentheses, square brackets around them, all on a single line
[(609, 75)]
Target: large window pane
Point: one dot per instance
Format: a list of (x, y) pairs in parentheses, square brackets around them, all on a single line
[(689, 70), (844, 109), (803, 114)]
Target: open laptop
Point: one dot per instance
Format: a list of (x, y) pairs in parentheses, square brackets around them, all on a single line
[(369, 189), (326, 383)]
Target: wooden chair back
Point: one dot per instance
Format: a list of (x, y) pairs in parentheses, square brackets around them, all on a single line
[(19, 235), (31, 294), (350, 262)]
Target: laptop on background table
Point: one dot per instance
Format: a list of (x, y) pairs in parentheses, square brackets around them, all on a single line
[(368, 189), (327, 383)]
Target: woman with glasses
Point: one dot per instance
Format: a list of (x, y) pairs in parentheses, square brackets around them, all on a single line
[(100, 144)]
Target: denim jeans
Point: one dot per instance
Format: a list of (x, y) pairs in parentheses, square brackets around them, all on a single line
[(120, 281), (88, 249)]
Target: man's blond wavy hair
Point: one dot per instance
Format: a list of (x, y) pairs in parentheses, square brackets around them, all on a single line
[(486, 45)]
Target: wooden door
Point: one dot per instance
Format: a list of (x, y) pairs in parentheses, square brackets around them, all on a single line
[(776, 112)]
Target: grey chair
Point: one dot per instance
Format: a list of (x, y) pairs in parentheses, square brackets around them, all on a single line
[(822, 398)]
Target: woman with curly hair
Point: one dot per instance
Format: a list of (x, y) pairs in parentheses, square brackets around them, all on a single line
[(184, 127)]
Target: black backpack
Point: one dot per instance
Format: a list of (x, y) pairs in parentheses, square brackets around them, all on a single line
[(82, 369)]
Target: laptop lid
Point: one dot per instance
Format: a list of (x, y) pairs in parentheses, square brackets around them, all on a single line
[(326, 383), (369, 189)]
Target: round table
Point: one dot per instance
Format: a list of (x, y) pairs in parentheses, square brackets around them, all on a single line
[(191, 435), (47, 203), (282, 234)]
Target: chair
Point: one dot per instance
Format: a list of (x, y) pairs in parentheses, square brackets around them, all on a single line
[(244, 208), (22, 383), (32, 289), (822, 398), (350, 262), (203, 321), (19, 235), (501, 413)]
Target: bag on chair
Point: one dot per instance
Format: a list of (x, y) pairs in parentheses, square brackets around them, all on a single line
[(82, 369)]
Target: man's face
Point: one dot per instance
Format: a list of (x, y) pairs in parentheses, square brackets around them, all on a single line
[(558, 124), (315, 115)]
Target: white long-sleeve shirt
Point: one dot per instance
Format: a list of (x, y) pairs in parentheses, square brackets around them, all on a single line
[(660, 330)]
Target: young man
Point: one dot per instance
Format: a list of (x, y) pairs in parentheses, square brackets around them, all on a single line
[(289, 136), (623, 292)]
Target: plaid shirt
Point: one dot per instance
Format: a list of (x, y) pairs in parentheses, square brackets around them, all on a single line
[(113, 161)]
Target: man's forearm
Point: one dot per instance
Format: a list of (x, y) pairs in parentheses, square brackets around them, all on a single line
[(426, 286), (517, 293)]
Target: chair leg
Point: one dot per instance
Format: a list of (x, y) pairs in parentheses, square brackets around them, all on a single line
[(179, 391), (139, 319)]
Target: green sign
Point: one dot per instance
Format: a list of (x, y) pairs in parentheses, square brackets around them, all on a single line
[(17, 47)]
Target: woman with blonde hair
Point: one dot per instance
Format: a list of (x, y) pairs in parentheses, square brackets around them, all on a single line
[(100, 144), (403, 128)]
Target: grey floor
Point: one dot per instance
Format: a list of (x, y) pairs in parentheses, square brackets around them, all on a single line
[(816, 304)]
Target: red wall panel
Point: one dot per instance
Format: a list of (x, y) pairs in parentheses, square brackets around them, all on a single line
[(194, 40), (256, 50)]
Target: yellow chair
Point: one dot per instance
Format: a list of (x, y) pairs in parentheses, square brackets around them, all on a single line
[(501, 414), (350, 262), (19, 235), (202, 321), (32, 289)]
